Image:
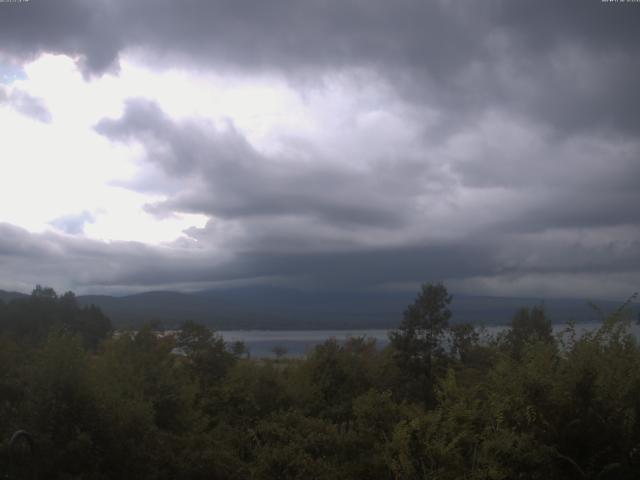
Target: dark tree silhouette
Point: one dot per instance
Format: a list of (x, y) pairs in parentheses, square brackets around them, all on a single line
[(418, 340)]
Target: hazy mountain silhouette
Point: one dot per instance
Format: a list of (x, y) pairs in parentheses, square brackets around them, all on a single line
[(8, 296), (268, 307), (371, 309)]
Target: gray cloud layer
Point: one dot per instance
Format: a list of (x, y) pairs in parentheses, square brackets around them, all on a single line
[(220, 174), (529, 172), (572, 63), (25, 104), (568, 209)]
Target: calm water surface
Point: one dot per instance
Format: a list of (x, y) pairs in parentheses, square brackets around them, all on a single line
[(296, 342), (299, 342)]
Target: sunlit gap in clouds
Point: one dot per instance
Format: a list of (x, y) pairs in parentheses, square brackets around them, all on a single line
[(74, 169)]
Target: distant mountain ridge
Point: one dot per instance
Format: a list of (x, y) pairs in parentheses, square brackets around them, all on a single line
[(169, 308), (278, 308), (9, 296)]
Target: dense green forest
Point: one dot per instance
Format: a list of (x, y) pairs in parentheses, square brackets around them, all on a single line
[(439, 402)]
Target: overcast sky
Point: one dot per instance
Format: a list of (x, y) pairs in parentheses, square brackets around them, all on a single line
[(187, 144)]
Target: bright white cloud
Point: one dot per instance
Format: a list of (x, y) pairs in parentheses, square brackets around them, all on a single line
[(59, 169)]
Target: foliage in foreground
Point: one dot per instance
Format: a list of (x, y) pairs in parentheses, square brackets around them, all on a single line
[(440, 402)]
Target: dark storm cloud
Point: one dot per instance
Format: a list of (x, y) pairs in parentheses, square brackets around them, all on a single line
[(572, 64), (495, 253), (129, 264), (244, 34), (371, 267), (86, 30), (578, 210), (577, 182), (576, 62), (67, 261), (89, 265)]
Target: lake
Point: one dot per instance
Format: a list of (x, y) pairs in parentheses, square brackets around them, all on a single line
[(299, 342), (296, 342)]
